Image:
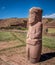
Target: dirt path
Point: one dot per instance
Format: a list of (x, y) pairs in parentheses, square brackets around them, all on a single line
[(17, 56), (6, 44)]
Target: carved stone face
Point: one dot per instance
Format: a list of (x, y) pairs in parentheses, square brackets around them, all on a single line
[(34, 16)]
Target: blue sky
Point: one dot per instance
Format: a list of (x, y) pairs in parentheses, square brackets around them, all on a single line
[(20, 8)]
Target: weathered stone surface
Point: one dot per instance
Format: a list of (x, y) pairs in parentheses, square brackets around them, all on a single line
[(34, 35)]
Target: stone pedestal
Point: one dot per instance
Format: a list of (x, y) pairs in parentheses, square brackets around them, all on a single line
[(34, 35)]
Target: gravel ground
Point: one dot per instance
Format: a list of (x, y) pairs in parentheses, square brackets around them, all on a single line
[(17, 56)]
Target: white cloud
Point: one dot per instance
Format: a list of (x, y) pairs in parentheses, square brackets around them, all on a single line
[(49, 16)]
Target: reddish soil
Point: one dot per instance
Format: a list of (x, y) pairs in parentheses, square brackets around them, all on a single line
[(17, 56)]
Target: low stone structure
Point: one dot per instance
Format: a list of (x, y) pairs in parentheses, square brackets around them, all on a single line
[(34, 35)]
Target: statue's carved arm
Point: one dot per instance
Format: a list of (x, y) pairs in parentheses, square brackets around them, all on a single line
[(36, 35)]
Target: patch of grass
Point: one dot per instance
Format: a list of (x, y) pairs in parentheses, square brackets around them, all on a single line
[(6, 36), (49, 41), (22, 28), (51, 30), (21, 38)]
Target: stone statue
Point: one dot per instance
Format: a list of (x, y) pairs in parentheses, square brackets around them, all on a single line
[(34, 35)]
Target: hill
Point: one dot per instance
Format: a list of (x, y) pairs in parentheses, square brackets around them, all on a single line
[(13, 22), (19, 22)]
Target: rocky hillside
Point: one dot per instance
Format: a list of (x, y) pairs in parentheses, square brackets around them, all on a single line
[(19, 22), (13, 22)]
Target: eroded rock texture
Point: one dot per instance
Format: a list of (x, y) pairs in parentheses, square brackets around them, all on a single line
[(34, 35)]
